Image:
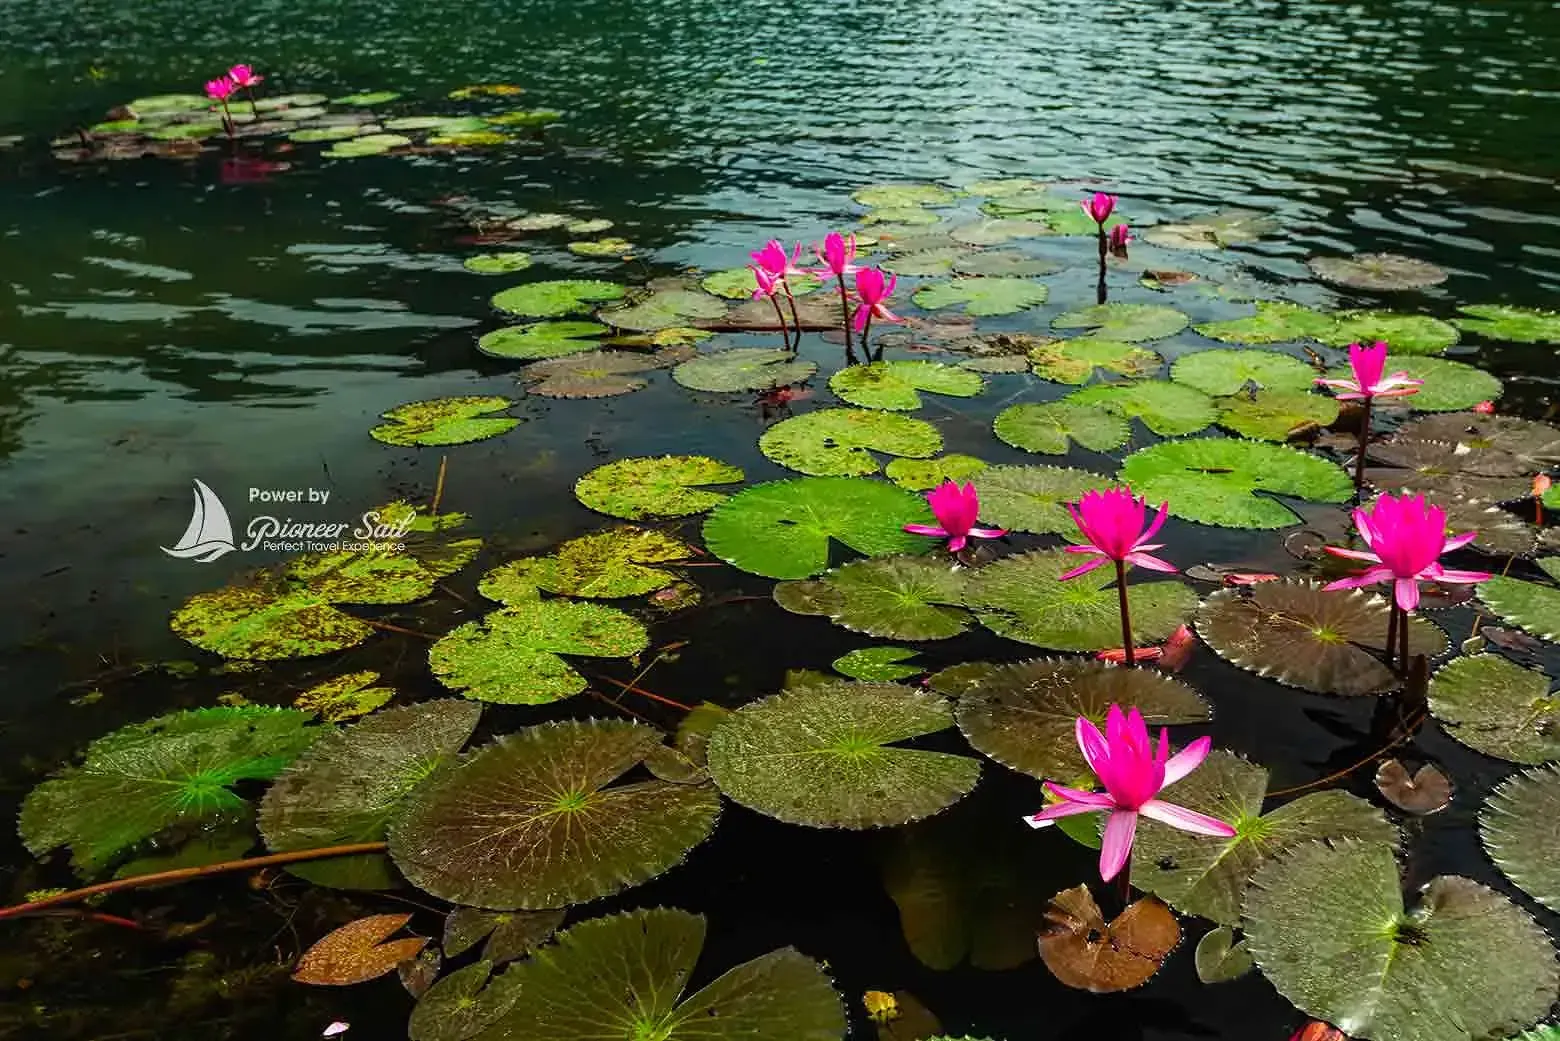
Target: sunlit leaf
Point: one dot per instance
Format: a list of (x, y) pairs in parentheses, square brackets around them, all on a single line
[(656, 486), (1497, 707), (1050, 428), (838, 442), (1216, 480), (358, 952)]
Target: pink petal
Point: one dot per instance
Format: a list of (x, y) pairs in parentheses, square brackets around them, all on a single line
[(1459, 541), (1406, 591), (1159, 522), (1353, 554), (1151, 562), (1092, 743), (988, 533), (926, 529), (1463, 577), (1187, 760), (1061, 809), (1369, 578), (1116, 846), (1186, 820), (860, 321), (1099, 800), (1075, 572), (957, 543)]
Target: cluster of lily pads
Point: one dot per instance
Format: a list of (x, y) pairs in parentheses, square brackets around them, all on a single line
[(521, 829)]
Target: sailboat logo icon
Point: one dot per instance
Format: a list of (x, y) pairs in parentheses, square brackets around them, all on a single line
[(210, 534)]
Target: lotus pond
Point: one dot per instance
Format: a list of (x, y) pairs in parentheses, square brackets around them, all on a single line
[(642, 716)]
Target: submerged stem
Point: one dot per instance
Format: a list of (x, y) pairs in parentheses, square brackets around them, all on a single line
[(1126, 616), (1100, 292), (1359, 460)]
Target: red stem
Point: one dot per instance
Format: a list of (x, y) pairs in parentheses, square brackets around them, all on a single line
[(781, 315), (1359, 461), (1126, 617)]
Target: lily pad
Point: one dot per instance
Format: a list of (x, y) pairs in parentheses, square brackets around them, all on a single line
[(1497, 707), (366, 145), (542, 222), (509, 934), (1274, 322), (1048, 429), (345, 697), (168, 103), (343, 132), (1130, 322), (1086, 952), (593, 374), (557, 298), (1221, 372), (996, 231), (656, 486), (1033, 498), (738, 283), (1442, 470), (1216, 480), (1213, 231), (1302, 635), (1168, 409), (497, 263), (1003, 263), (1023, 598), (511, 656), (824, 755), (1208, 876), (1512, 324), (743, 368), (1536, 444), (349, 784), (463, 1004), (266, 619), (541, 340), (1531, 607), (620, 979), (920, 475), (835, 442), (897, 598), (534, 821), (782, 529), (664, 309), (177, 769), (897, 385), (374, 576), (444, 421), (1449, 385), (899, 196), (877, 664), (983, 295), (1519, 827), (1277, 415), (1025, 715), (1403, 333), (1075, 361), (939, 260), (604, 565), (366, 99), (1378, 272), (1426, 790), (1220, 958), (1327, 926), (358, 952)]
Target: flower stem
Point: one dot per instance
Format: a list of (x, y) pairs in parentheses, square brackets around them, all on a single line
[(845, 315), (227, 119), (1403, 654), (1100, 292), (1124, 880), (1126, 617), (866, 331), (253, 108), (784, 336), (796, 319), (1359, 460)]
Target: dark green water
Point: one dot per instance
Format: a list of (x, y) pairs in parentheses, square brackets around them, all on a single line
[(157, 324)]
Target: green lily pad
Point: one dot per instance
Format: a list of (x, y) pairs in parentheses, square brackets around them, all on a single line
[(1206, 876), (1003, 263), (1033, 498), (344, 132), (184, 131), (1074, 361), (983, 295), (177, 769), (996, 231), (1220, 958), (444, 421), (1403, 333), (877, 664), (1497, 707), (604, 565), (1213, 231), (897, 598), (1003, 187), (1512, 324), (835, 442), (497, 263), (823, 755), (557, 298), (920, 475), (266, 619), (366, 98), (1518, 827), (896, 385), (541, 222), (1024, 715), (1449, 385), (900, 196), (533, 820), (1022, 598), (1302, 635), (463, 1004), (1327, 926), (1379, 272), (293, 101), (509, 934), (938, 260), (743, 368), (377, 576), (656, 486), (366, 145), (511, 656), (665, 309), (1216, 480), (592, 374), (782, 529), (1130, 322), (1275, 415), (541, 340), (1274, 322), (345, 697), (1527, 605), (620, 979), (607, 247), (1221, 372), (738, 283), (349, 784), (1048, 429), (1071, 220), (1168, 409), (469, 139), (896, 217), (159, 104)]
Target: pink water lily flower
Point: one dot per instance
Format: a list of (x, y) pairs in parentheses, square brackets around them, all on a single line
[(1407, 537), (837, 254), (773, 259), (1133, 773), (874, 289), (1119, 236), (244, 76), (956, 509), (768, 284), (1368, 364), (220, 89), (1099, 207), (1112, 522)]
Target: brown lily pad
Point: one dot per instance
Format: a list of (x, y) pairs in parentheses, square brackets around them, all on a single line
[(1427, 790), (357, 953), (1083, 951)]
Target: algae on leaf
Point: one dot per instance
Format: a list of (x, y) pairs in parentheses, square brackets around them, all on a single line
[(444, 421), (656, 486), (266, 619), (603, 565)]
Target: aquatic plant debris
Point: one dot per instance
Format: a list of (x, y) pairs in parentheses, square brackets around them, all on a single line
[(1086, 952)]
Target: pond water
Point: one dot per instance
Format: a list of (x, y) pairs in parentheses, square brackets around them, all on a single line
[(171, 320)]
